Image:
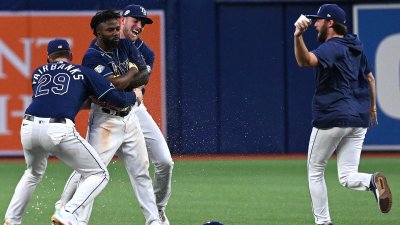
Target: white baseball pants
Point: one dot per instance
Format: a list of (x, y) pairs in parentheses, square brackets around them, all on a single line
[(159, 154), (108, 133), (347, 142), (39, 138)]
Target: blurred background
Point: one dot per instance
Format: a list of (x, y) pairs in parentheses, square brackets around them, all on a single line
[(225, 79)]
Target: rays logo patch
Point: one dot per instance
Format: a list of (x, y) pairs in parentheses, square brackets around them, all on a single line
[(99, 68)]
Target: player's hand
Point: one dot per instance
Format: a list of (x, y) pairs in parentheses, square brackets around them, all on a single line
[(373, 118), (133, 67), (139, 95), (301, 25)]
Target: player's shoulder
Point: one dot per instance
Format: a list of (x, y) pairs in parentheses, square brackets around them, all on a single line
[(93, 50), (93, 56)]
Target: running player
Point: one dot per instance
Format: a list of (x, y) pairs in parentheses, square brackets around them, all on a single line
[(344, 105)]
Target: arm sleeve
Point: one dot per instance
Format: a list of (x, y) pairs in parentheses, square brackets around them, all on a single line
[(325, 54), (365, 65), (134, 55), (120, 99), (146, 51), (98, 63), (103, 90)]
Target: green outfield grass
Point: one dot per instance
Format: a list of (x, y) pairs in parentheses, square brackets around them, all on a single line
[(235, 192)]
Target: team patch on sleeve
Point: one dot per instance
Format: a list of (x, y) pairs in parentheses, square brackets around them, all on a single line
[(99, 68)]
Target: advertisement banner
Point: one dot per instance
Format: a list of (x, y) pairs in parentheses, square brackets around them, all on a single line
[(379, 28), (23, 47)]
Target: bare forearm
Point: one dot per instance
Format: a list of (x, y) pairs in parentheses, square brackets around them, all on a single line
[(372, 91), (301, 51)]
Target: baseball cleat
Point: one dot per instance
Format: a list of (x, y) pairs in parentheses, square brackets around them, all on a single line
[(163, 217), (381, 190), (325, 224), (62, 217)]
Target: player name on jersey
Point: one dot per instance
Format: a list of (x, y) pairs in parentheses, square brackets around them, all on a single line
[(76, 72)]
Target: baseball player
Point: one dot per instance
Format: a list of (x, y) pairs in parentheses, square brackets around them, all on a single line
[(132, 25), (344, 105), (110, 129), (59, 89)]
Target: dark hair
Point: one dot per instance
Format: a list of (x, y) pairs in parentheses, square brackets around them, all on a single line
[(339, 28), (60, 54), (102, 17)]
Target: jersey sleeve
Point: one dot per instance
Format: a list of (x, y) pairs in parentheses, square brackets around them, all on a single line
[(365, 64), (325, 54), (95, 61), (146, 51), (98, 85), (133, 54), (104, 90)]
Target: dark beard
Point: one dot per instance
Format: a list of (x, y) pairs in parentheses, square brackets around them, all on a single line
[(323, 33), (110, 43)]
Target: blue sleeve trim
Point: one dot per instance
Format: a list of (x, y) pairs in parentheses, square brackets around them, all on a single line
[(102, 95)]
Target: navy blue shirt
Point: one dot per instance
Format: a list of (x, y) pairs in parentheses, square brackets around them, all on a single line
[(341, 97), (115, 63), (60, 88)]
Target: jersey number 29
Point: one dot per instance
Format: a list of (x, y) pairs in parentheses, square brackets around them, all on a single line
[(57, 84)]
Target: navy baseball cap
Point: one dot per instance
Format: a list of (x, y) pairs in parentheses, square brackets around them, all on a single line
[(136, 11), (57, 45), (330, 12), (213, 223)]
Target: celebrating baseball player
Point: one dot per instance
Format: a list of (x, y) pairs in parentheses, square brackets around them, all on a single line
[(117, 129), (59, 89), (344, 105), (133, 22)]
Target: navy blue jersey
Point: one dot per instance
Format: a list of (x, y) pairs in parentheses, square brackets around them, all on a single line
[(146, 51), (115, 63), (341, 97), (60, 88)]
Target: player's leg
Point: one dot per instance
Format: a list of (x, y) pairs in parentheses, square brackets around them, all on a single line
[(348, 159), (36, 161), (105, 135), (135, 158), (69, 189), (323, 143), (77, 153), (159, 154), (95, 128)]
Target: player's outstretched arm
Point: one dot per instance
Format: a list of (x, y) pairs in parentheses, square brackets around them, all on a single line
[(119, 99)]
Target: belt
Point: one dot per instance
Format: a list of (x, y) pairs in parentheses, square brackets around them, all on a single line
[(51, 120), (116, 113)]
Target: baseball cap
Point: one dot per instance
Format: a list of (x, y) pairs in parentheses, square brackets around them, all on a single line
[(136, 11), (330, 12), (57, 45), (213, 223)]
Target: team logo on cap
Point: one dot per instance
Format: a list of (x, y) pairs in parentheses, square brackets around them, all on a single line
[(60, 46), (143, 11), (127, 12)]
